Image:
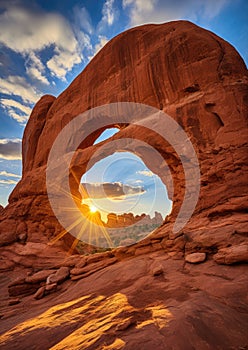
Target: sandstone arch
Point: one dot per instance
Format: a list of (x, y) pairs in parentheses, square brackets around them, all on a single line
[(190, 73), (148, 137)]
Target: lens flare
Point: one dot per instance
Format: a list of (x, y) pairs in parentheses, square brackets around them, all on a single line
[(93, 209)]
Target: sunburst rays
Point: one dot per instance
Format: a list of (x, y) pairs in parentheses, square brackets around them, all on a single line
[(90, 229)]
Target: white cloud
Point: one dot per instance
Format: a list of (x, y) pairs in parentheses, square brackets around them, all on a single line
[(4, 141), (115, 190), (28, 32), (82, 19), (8, 182), (102, 41), (109, 16), (35, 68), (138, 181), (63, 62), (212, 8), (18, 86), (21, 119), (82, 28), (10, 149), (34, 72), (145, 173), (5, 173), (13, 103), (159, 11), (108, 12)]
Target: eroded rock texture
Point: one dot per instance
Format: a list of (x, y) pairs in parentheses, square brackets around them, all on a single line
[(201, 81), (195, 77)]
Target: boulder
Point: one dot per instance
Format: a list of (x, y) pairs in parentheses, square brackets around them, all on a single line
[(59, 276), (40, 293), (52, 287), (39, 276), (157, 270), (7, 232), (195, 258), (232, 255)]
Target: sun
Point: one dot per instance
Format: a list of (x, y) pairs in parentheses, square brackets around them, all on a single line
[(93, 209)]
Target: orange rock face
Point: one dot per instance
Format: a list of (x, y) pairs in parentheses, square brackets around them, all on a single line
[(201, 82), (190, 73)]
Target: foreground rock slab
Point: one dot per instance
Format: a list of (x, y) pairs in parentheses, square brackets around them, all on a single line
[(124, 306)]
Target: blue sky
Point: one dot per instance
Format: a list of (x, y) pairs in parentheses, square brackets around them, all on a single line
[(46, 44), (126, 168)]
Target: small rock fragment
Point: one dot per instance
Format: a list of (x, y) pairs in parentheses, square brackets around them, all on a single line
[(59, 276), (22, 237), (158, 270), (40, 293), (51, 287), (39, 276), (195, 258), (124, 325), (14, 301)]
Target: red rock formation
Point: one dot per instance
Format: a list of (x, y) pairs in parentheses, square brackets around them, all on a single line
[(128, 219), (150, 301), (201, 81), (191, 74), (1, 210)]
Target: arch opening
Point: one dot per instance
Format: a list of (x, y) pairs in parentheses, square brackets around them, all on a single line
[(121, 193), (162, 150), (106, 134)]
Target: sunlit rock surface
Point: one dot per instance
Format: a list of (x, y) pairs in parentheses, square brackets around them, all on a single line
[(116, 299)]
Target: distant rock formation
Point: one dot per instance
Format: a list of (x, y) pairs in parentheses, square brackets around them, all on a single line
[(122, 220), (127, 219)]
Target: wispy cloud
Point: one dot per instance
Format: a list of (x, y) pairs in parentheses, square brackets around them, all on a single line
[(114, 190), (82, 20), (8, 182), (27, 31), (35, 68), (108, 12), (102, 41), (16, 110), (10, 149), (145, 173), (109, 16), (13, 103), (18, 86), (7, 174), (159, 11), (138, 181)]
